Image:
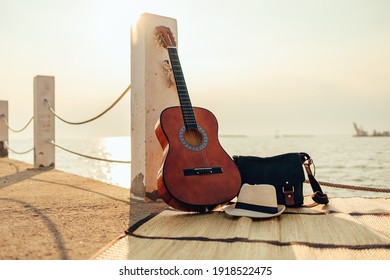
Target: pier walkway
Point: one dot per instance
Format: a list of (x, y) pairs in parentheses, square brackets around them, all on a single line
[(50, 214)]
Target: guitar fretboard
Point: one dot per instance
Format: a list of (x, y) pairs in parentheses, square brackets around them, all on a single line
[(184, 98)]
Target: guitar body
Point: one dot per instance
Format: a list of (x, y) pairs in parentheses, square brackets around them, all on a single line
[(196, 174)]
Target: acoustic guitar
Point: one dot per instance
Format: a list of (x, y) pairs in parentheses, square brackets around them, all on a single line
[(196, 174)]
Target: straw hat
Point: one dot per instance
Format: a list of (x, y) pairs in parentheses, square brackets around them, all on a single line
[(256, 201)]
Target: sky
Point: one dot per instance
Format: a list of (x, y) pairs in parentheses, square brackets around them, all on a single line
[(261, 66)]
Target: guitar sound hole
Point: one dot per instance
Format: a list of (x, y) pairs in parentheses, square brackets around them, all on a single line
[(193, 137)]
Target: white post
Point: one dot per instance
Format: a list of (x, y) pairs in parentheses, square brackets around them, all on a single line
[(3, 128), (150, 94), (44, 152)]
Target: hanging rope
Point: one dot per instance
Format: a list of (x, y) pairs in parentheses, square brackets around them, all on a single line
[(15, 130), (94, 118), (86, 156), (349, 187), (17, 152)]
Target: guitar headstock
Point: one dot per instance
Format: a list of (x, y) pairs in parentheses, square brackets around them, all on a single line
[(165, 36)]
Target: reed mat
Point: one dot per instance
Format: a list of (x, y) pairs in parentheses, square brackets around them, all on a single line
[(346, 228)]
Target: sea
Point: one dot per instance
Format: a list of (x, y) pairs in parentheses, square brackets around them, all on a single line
[(338, 159)]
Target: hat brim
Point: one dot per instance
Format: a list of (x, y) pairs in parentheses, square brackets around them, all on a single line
[(232, 210)]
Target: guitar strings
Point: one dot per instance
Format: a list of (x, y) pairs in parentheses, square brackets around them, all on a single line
[(200, 158)]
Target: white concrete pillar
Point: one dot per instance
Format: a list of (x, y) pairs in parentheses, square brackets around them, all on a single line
[(3, 128), (150, 94), (44, 127)]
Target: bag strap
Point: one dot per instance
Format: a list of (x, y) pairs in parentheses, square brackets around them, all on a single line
[(318, 195)]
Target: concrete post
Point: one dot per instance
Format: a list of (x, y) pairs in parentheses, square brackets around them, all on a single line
[(3, 128), (150, 94), (44, 152)]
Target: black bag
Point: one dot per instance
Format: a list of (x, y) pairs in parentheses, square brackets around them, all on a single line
[(285, 173)]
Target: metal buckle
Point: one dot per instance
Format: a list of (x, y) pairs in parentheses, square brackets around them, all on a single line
[(290, 191), (307, 165)]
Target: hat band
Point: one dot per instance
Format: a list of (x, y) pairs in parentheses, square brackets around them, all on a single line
[(257, 208)]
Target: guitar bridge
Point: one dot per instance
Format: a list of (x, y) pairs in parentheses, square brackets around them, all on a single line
[(202, 171)]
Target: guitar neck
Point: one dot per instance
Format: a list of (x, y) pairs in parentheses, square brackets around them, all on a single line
[(184, 98)]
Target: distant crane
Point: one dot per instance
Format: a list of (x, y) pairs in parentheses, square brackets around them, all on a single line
[(361, 132)]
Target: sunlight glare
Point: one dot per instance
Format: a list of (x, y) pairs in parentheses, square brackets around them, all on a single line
[(117, 148)]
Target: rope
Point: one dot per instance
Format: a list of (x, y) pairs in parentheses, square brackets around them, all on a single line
[(94, 118), (349, 187), (16, 152), (86, 156), (15, 130)]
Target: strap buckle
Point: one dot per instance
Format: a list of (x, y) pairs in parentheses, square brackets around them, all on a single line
[(307, 165), (288, 191), (289, 194)]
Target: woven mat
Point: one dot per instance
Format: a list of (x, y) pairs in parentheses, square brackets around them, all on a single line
[(346, 228)]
